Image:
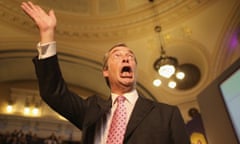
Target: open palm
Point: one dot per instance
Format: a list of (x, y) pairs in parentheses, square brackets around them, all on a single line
[(46, 22)]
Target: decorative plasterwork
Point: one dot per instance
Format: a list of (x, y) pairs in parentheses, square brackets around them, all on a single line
[(93, 23)]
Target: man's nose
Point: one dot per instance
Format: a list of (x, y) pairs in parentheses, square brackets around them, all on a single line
[(125, 59)]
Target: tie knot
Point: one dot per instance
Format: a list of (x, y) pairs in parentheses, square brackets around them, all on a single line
[(121, 99)]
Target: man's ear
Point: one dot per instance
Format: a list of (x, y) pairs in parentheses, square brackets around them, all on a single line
[(105, 73)]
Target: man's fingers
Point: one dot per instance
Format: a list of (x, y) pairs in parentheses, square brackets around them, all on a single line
[(28, 9), (32, 6), (52, 14), (25, 7), (32, 10)]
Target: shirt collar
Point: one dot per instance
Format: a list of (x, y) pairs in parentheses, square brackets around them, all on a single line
[(131, 96)]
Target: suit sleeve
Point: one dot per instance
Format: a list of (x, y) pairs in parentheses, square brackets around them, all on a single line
[(55, 93)]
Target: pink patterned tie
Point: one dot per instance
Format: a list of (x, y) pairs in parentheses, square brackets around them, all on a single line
[(119, 123)]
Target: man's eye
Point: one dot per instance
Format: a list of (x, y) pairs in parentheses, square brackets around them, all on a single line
[(118, 55), (130, 56)]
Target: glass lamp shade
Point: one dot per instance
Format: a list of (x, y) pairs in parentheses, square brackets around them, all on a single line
[(166, 70), (180, 75), (166, 66)]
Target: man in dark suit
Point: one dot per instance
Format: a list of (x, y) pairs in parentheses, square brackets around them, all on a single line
[(147, 122)]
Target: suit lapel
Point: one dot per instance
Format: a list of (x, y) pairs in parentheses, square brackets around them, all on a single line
[(97, 114), (98, 111), (105, 107), (140, 111)]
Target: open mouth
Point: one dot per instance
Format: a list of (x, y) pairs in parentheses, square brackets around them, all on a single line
[(126, 72), (126, 69)]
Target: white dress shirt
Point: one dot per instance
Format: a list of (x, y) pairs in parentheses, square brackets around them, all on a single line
[(46, 50)]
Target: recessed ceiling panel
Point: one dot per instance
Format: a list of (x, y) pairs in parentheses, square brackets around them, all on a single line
[(79, 6), (131, 4), (108, 6)]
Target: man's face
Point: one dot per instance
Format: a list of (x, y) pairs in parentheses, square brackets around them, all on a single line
[(121, 68)]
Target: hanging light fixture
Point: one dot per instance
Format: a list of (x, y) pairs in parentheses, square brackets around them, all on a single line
[(180, 76), (165, 65)]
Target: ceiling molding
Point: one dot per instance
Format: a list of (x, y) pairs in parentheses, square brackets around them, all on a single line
[(135, 22)]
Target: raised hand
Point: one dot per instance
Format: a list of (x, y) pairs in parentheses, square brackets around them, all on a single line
[(46, 22)]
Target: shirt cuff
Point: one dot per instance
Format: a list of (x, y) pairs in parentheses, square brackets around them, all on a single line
[(46, 50)]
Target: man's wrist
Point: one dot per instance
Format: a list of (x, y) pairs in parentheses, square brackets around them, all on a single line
[(47, 36)]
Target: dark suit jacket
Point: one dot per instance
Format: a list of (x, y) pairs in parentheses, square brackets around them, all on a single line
[(150, 123)]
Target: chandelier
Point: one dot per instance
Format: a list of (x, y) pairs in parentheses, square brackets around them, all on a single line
[(165, 65)]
